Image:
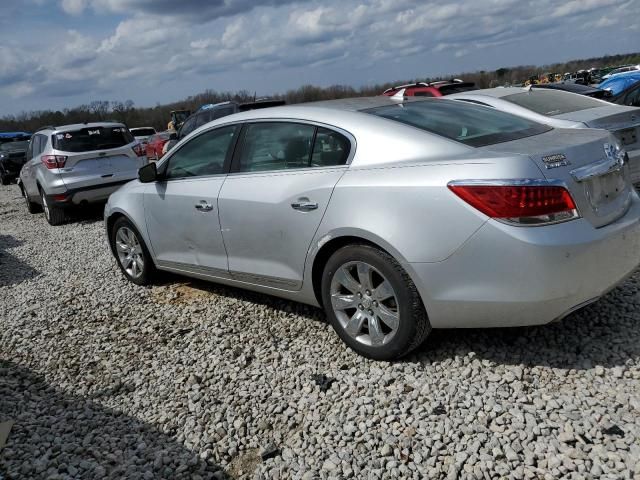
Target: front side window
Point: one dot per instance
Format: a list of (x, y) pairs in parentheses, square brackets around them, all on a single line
[(202, 155), (276, 146), (463, 122), (552, 102)]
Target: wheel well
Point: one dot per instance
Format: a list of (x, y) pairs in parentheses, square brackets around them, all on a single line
[(322, 257), (110, 221)]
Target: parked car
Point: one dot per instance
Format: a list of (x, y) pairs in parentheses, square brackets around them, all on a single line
[(155, 145), (576, 88), (624, 89), (77, 164), (431, 89), (623, 69), (396, 216), (566, 110), (142, 133), (213, 111), (13, 146)]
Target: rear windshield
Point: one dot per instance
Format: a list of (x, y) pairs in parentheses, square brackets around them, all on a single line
[(552, 102), (472, 125), (142, 132), (92, 138), (456, 88), (8, 146)]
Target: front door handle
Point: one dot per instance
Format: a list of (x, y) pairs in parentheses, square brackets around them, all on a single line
[(203, 206), (304, 206)]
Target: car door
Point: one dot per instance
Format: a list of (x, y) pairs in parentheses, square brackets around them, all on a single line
[(181, 209), (271, 204), (36, 145)]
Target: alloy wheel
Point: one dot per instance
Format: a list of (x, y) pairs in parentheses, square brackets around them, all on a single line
[(129, 252), (365, 303)]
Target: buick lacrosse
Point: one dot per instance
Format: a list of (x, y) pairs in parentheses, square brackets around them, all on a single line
[(396, 216)]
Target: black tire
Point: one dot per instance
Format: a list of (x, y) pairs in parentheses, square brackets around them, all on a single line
[(54, 215), (413, 324), (4, 180), (32, 207), (148, 268)]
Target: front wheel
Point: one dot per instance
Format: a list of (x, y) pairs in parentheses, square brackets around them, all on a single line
[(32, 207), (372, 303), (5, 180), (131, 252)]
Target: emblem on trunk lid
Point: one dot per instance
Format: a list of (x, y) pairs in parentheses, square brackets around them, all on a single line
[(556, 160)]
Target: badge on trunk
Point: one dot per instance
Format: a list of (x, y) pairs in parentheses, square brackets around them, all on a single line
[(556, 160)]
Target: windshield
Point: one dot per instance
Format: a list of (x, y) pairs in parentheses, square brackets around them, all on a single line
[(472, 125), (142, 132), (22, 145), (552, 102), (92, 138)]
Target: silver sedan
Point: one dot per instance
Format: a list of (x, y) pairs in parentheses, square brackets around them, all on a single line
[(395, 216), (566, 110)]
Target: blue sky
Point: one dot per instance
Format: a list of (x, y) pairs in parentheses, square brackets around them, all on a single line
[(61, 53)]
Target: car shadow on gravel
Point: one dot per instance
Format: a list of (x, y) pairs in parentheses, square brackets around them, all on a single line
[(12, 269), (606, 333), (166, 279), (58, 434)]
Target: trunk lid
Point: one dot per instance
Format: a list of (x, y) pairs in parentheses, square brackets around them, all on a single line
[(599, 185), (93, 168), (623, 122)]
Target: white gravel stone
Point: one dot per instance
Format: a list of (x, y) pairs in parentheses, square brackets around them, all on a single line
[(105, 379)]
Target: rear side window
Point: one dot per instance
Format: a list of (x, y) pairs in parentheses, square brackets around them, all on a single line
[(552, 102), (463, 122), (272, 146), (92, 138)]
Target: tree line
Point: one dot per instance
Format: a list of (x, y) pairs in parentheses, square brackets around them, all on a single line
[(159, 115)]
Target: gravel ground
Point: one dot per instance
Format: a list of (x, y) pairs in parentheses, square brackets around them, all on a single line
[(191, 380)]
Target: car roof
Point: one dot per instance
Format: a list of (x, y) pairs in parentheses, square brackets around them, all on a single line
[(78, 126), (497, 92)]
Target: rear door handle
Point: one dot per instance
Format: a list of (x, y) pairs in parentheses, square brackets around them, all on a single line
[(304, 206), (203, 206)]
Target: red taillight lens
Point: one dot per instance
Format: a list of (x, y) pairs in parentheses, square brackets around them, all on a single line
[(519, 204), (139, 150), (53, 161)]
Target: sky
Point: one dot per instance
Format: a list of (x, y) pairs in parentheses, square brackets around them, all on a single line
[(63, 53)]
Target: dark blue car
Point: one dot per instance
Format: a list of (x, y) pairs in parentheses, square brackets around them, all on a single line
[(624, 88)]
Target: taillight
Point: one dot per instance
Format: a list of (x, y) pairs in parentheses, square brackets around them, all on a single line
[(519, 204), (139, 150), (53, 161)]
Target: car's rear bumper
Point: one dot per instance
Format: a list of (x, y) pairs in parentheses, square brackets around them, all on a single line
[(84, 195), (514, 276)]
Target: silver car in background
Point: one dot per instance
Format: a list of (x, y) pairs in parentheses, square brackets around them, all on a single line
[(77, 164), (566, 110), (396, 216)]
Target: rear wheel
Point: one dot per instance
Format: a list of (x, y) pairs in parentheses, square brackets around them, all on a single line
[(372, 303), (54, 215), (32, 207), (131, 252)]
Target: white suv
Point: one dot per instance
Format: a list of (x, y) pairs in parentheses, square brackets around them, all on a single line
[(77, 164)]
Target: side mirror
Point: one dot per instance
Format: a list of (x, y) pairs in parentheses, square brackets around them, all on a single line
[(148, 173), (173, 136)]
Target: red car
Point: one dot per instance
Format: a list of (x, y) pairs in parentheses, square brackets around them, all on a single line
[(155, 144), (432, 89)]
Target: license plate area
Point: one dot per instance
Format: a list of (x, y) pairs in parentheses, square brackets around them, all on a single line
[(628, 136), (605, 189)]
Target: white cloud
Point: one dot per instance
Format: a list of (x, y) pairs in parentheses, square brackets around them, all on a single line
[(74, 7)]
